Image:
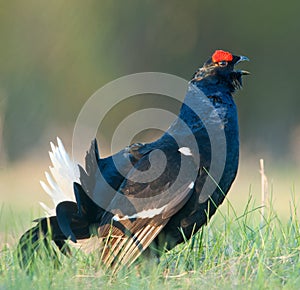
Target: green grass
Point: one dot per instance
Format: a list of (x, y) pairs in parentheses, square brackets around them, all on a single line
[(237, 250), (232, 252)]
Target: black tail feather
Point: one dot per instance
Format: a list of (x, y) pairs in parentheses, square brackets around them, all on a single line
[(65, 212), (71, 223), (32, 240), (92, 158), (87, 208)]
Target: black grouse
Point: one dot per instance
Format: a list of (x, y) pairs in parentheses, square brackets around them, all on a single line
[(134, 210)]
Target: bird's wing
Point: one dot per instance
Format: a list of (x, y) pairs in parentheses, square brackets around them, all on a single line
[(101, 178), (140, 210), (94, 190)]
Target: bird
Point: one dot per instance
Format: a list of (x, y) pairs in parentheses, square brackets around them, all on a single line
[(134, 212)]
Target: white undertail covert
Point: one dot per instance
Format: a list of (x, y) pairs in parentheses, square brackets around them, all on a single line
[(63, 173)]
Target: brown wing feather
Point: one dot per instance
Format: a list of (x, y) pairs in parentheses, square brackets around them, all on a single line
[(140, 211), (126, 240), (132, 251)]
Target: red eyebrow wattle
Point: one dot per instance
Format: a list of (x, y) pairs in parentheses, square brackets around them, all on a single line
[(221, 55)]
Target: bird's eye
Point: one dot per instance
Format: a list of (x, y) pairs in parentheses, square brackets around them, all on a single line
[(222, 63)]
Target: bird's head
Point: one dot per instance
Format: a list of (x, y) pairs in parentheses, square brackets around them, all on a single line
[(219, 69)]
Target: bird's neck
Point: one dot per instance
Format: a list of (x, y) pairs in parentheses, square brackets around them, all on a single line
[(203, 105)]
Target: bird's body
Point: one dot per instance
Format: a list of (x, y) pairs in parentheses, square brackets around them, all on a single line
[(134, 208)]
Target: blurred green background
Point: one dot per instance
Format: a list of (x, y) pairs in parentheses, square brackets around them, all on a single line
[(55, 54)]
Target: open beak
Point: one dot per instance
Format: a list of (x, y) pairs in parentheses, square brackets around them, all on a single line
[(243, 58)]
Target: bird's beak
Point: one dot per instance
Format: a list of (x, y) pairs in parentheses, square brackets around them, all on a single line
[(242, 58), (244, 72)]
